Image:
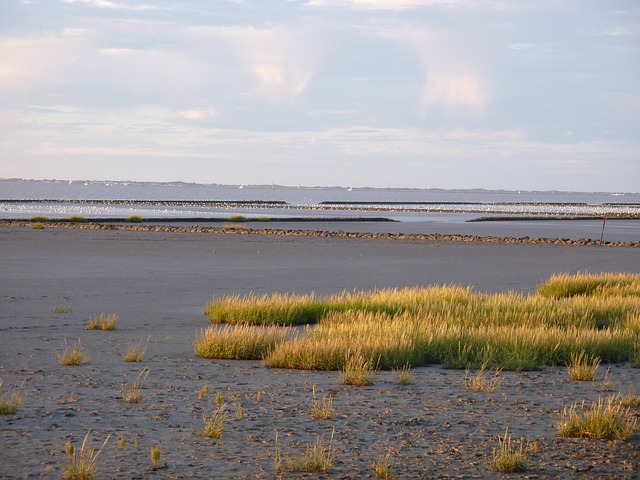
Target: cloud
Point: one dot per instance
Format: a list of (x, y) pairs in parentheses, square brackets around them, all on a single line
[(394, 5), (107, 4), (198, 113)]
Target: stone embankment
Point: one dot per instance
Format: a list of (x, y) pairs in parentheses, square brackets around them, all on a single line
[(241, 229)]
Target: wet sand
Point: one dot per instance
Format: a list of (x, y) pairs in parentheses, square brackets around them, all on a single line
[(158, 284)]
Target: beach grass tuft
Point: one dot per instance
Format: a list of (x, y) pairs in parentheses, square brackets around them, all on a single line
[(358, 370), (37, 225), (81, 462), (404, 374), (239, 342), (154, 454), (322, 408), (483, 381), (61, 309), (103, 322), (73, 355), (509, 457), (583, 367), (606, 418), (318, 457), (77, 219), (214, 422), (591, 284), (237, 218), (133, 219), (9, 402), (382, 468), (132, 393), (38, 219), (135, 351)]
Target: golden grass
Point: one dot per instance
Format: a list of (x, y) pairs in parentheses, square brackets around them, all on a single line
[(605, 419), (483, 381), (449, 325), (322, 409), (318, 458), (358, 370), (214, 422), (239, 342), (382, 468), (509, 457), (404, 374), (135, 351), (583, 367), (81, 463), (61, 309), (154, 454), (73, 355), (601, 284), (103, 322), (9, 402), (132, 393)]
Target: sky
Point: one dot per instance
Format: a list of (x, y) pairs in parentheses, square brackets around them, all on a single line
[(517, 95)]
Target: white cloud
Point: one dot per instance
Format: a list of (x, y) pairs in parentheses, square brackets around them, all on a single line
[(198, 113), (112, 5), (394, 5)]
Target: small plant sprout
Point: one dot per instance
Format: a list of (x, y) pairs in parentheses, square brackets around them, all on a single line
[(73, 355), (259, 396), (318, 457), (481, 382), (583, 367), (214, 423), (239, 412), (61, 309), (382, 468), (322, 409), (358, 370), (136, 351), (81, 463), (508, 457), (9, 403), (120, 443), (605, 419), (634, 361), (133, 393), (404, 374), (629, 399), (136, 440), (218, 399), (155, 454), (204, 391), (103, 322)]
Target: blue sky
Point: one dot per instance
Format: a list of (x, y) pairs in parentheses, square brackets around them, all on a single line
[(385, 93)]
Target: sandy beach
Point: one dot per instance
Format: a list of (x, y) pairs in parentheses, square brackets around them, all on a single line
[(158, 284)]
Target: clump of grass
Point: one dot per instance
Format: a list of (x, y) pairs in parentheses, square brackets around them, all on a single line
[(38, 219), (77, 219), (237, 218), (73, 355), (483, 381), (318, 458), (358, 370), (218, 399), (132, 393), (607, 384), (322, 409), (81, 463), (155, 454), (603, 284), (61, 309), (214, 422), (121, 443), (133, 219), (239, 342), (604, 419), (629, 399), (382, 468), (135, 351), (37, 226), (103, 322), (634, 360), (404, 374), (239, 412), (9, 403), (583, 367), (508, 457), (204, 391)]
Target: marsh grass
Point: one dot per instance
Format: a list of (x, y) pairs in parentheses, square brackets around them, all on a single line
[(628, 400), (237, 218), (482, 380), (135, 351), (358, 370), (404, 374), (133, 219), (61, 309), (218, 399), (318, 457), (448, 325), (605, 419), (132, 393), (239, 412), (39, 219), (583, 367), (214, 422), (634, 360), (204, 391), (322, 408), (77, 219), (607, 384), (73, 355), (37, 226), (382, 468), (234, 226), (603, 284), (154, 454), (509, 457), (103, 322), (9, 402), (239, 342), (81, 463)]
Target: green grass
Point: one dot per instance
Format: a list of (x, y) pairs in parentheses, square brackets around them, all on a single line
[(583, 367), (448, 325), (318, 458), (509, 457), (605, 419), (214, 422), (133, 219), (77, 219), (38, 219), (237, 218)]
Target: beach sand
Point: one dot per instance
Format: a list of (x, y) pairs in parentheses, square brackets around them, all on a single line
[(158, 284)]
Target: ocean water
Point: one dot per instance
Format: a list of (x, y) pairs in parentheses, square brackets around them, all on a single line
[(411, 210)]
